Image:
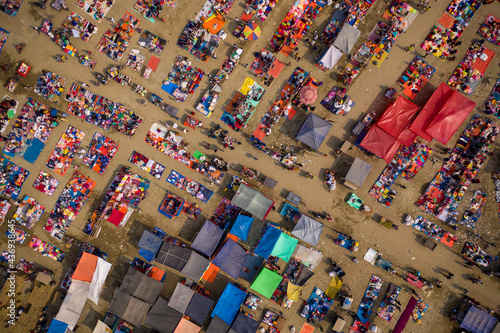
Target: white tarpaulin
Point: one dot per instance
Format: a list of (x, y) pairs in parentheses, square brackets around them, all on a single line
[(100, 274), (307, 255), (73, 303), (371, 256), (101, 327), (331, 57)]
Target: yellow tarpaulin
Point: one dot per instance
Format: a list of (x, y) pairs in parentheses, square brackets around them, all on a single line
[(293, 292), (334, 287), (245, 88)]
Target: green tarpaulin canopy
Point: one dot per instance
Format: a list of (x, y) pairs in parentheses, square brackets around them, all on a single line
[(266, 282), (284, 247)]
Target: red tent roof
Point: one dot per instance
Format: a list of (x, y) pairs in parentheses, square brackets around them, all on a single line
[(407, 137), (450, 117), (394, 149), (380, 143), (397, 116), (429, 111)]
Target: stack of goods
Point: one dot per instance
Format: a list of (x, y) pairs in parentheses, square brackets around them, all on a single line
[(191, 210), (4, 34), (471, 69), (86, 61), (415, 77), (335, 24), (95, 8), (387, 307), (448, 29), (8, 108), (46, 249), (225, 213), (115, 41), (31, 131), (492, 103), (85, 247), (371, 294), (171, 145), (183, 79), (26, 266), (4, 209), (79, 25), (476, 255), (243, 104), (152, 167), (259, 8), (101, 151), (23, 69), (283, 106), (46, 183), (17, 234), (434, 231), (267, 66), (208, 101), (171, 205), (419, 311), (316, 306), (358, 11), (151, 9), (270, 318), (338, 102), (475, 210), (65, 150), (125, 193), (407, 162), (228, 66), (152, 42), (10, 7), (28, 212), (135, 60), (252, 301), (70, 203), (447, 189), (50, 86), (102, 112), (190, 186), (295, 25), (202, 35), (12, 178), (490, 29)]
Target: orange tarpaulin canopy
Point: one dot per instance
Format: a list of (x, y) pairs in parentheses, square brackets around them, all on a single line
[(86, 267), (214, 23)]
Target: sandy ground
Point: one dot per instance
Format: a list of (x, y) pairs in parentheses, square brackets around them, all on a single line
[(399, 247)]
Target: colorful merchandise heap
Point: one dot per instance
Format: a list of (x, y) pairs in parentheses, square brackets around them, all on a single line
[(115, 41), (243, 104), (152, 42), (492, 103), (447, 189), (316, 306), (68, 206), (154, 168), (183, 79), (102, 112), (450, 27), (65, 150), (46, 249), (338, 102), (10, 7), (8, 108), (79, 25), (415, 77), (28, 212), (12, 178), (490, 29), (95, 8), (50, 86), (434, 231), (387, 308), (101, 151), (4, 34), (225, 213), (471, 69), (31, 131), (46, 183), (475, 210), (125, 193), (476, 255), (151, 9), (371, 294), (190, 186)]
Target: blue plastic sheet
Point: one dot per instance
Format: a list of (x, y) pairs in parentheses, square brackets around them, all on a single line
[(241, 226), (229, 304), (267, 242), (231, 258)]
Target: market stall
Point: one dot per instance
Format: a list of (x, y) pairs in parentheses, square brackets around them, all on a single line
[(4, 34), (473, 213), (11, 7), (387, 308), (151, 9), (471, 69), (190, 186), (12, 178), (102, 112), (446, 190), (50, 86), (28, 212), (80, 27), (336, 23), (492, 103), (183, 79), (243, 104), (152, 42), (316, 306), (99, 154), (152, 167), (366, 306), (135, 60), (31, 131), (357, 174), (97, 9), (4, 209), (329, 58), (46, 249), (65, 150), (490, 30), (225, 213), (69, 204), (209, 100), (415, 77), (8, 108), (338, 102), (115, 41), (434, 231), (475, 254)]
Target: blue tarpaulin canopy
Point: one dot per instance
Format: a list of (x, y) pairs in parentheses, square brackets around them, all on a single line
[(267, 242), (478, 321), (208, 238), (229, 304), (57, 326), (231, 258), (149, 245), (241, 226), (313, 131)]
